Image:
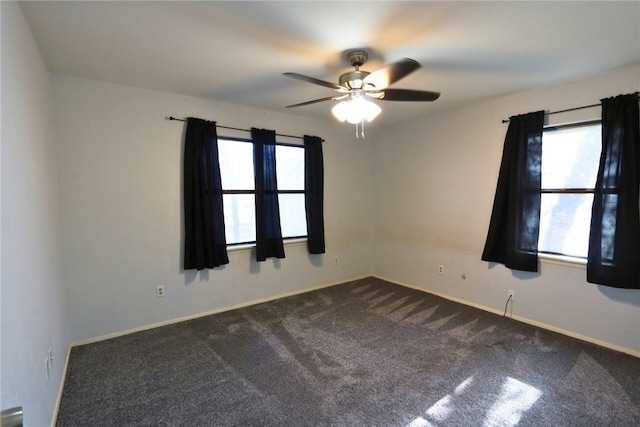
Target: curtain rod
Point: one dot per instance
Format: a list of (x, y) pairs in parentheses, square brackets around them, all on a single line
[(243, 130), (571, 109), (564, 111)]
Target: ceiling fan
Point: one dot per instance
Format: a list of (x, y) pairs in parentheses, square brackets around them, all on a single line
[(357, 89)]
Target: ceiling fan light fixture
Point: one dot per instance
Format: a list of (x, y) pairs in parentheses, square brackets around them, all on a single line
[(340, 110), (356, 110), (369, 109)]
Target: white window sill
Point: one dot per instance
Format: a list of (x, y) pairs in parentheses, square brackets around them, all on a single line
[(564, 260), (250, 246)]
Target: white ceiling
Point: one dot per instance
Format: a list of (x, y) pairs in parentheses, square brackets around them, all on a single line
[(237, 51)]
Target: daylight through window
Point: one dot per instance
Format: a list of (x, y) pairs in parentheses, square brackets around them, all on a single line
[(238, 190), (570, 157)]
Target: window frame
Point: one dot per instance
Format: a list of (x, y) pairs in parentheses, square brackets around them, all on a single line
[(252, 243), (556, 257)]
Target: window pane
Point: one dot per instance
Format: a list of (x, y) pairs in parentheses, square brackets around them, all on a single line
[(236, 165), (565, 223), (570, 157), (239, 217), (292, 215), (290, 167)]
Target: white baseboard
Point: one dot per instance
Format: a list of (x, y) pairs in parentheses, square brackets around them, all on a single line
[(61, 388), (208, 313), (521, 319)]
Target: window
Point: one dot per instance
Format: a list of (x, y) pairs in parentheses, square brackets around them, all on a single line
[(570, 157), (290, 172), (238, 189)]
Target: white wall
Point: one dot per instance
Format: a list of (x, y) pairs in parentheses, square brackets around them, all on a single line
[(120, 166), (34, 308), (433, 197), (105, 166)]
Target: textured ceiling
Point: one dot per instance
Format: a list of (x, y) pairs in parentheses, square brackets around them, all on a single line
[(237, 51)]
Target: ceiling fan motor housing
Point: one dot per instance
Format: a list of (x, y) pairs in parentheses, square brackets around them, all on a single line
[(353, 79)]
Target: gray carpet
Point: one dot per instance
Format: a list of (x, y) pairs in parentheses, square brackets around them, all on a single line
[(364, 353)]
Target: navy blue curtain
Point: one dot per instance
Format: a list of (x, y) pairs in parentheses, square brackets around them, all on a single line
[(512, 238), (205, 245), (314, 193), (268, 231), (614, 240)]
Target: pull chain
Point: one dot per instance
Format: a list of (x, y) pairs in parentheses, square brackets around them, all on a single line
[(361, 133)]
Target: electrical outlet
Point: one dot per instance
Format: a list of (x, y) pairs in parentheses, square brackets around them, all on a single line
[(335, 260), (441, 269), (511, 295), (159, 291)]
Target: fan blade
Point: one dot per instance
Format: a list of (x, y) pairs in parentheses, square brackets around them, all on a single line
[(385, 77), (314, 81), (409, 95), (328, 98)]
